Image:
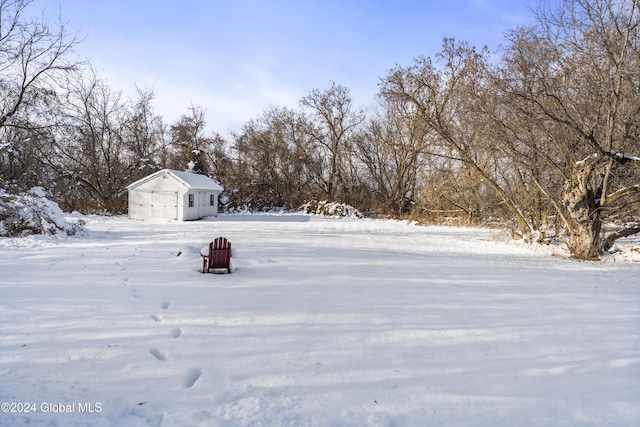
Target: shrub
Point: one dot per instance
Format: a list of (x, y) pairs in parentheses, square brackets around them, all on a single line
[(330, 209), (32, 213)]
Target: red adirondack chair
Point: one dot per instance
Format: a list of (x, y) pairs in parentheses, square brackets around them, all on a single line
[(218, 257)]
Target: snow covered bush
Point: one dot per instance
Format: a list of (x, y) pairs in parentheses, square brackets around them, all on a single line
[(32, 213), (330, 209)]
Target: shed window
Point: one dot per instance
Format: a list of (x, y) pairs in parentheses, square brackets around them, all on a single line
[(212, 199), (190, 200)]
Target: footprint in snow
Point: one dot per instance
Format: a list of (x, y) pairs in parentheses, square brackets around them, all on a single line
[(156, 318), (157, 354), (175, 332), (191, 377), (164, 305)]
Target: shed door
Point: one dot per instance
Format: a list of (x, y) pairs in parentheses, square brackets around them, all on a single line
[(202, 206), (164, 204)]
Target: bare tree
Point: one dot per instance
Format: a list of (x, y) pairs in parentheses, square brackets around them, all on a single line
[(35, 56), (90, 148), (392, 149), (575, 76), (105, 143), (189, 142), (332, 122), (144, 135), (272, 167), (219, 160), (449, 99)]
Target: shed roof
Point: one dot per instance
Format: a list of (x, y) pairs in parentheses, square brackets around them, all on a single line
[(191, 180)]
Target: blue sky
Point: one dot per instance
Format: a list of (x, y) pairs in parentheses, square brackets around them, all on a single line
[(237, 57)]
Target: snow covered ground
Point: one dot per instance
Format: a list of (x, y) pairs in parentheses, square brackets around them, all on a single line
[(326, 322)]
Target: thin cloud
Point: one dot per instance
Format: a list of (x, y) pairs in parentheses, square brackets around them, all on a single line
[(237, 58)]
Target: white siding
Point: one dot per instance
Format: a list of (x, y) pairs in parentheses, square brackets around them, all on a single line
[(165, 194)]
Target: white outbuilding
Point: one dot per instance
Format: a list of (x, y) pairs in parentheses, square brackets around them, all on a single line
[(174, 194)]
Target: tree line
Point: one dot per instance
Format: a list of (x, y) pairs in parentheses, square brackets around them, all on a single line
[(542, 136)]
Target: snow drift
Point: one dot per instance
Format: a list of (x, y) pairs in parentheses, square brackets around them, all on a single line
[(330, 209), (32, 213)]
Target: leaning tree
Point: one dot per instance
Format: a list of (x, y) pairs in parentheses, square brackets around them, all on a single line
[(575, 77)]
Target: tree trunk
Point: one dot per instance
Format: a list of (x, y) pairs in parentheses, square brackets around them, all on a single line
[(582, 204)]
